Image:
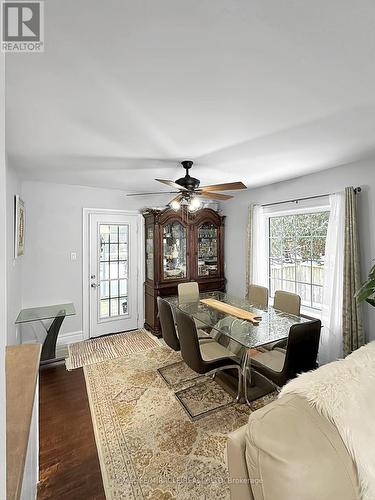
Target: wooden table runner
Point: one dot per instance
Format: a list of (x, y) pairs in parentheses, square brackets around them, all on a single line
[(232, 310)]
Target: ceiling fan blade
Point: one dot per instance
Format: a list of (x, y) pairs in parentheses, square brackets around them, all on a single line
[(145, 194), (229, 186), (172, 184), (176, 198), (215, 196)]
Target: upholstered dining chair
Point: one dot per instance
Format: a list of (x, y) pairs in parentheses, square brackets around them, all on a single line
[(169, 333), (231, 326), (300, 355), (258, 296), (204, 358), (188, 292), (287, 302)]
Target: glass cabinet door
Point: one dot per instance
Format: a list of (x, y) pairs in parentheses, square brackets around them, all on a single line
[(207, 250), (174, 251), (150, 253)]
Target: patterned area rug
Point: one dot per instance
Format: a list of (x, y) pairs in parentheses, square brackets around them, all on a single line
[(101, 349), (148, 447), (178, 373)]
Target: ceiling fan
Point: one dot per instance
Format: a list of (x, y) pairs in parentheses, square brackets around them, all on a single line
[(189, 190)]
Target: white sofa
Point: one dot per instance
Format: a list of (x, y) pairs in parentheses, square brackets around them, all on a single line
[(316, 442), (288, 451)]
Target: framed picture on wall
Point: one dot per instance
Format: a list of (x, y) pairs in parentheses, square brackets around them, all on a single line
[(19, 227)]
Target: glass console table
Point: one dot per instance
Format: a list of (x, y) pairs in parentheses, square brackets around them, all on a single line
[(57, 313)]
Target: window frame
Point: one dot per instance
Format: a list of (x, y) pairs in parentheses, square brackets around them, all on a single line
[(273, 211)]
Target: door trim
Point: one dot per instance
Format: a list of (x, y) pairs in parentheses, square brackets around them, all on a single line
[(86, 212)]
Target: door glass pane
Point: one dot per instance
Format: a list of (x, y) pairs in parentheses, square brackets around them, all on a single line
[(113, 270), (104, 270), (123, 305), (104, 252), (207, 250), (104, 233), (122, 270), (113, 251), (123, 234), (174, 251), (114, 307), (123, 251), (114, 288), (104, 308), (123, 287), (104, 289), (113, 234)]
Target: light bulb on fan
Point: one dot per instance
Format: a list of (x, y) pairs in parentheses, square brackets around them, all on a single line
[(194, 204), (175, 205)]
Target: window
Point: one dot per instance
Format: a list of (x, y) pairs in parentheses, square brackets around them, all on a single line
[(296, 255)]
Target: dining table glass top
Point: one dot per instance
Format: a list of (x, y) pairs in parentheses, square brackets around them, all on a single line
[(273, 325)]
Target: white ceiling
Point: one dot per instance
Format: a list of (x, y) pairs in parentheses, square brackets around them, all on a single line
[(251, 90)]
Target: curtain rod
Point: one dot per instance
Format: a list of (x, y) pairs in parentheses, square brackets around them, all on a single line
[(296, 200)]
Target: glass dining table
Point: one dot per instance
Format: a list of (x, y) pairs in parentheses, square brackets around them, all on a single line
[(239, 336)]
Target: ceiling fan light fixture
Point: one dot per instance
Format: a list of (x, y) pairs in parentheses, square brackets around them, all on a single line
[(188, 188), (194, 204), (175, 205)]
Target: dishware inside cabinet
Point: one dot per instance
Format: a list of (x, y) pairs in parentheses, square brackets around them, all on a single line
[(207, 250), (174, 251)]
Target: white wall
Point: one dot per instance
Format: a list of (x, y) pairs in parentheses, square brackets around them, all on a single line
[(3, 291), (356, 174), (53, 230), (14, 266)]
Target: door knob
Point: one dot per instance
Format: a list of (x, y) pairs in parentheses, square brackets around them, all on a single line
[(95, 285)]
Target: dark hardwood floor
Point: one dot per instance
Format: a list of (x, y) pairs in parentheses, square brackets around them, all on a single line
[(69, 464)]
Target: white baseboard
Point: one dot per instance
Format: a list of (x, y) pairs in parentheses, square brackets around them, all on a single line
[(70, 338)]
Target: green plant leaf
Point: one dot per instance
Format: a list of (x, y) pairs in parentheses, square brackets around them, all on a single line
[(367, 291)]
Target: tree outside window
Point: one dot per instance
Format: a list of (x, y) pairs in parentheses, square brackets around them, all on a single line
[(296, 255)]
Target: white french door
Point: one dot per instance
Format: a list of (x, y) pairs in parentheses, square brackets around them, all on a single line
[(113, 273)]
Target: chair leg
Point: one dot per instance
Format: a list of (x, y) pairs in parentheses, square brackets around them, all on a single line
[(160, 372), (239, 385), (276, 387), (213, 410)]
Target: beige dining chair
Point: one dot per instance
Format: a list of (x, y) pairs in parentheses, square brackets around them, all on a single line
[(188, 292), (258, 296), (287, 302), (300, 355), (204, 359), (170, 335)]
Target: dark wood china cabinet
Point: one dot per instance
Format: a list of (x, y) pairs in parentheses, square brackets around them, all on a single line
[(181, 247)]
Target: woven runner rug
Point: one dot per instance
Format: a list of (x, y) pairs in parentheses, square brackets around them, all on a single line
[(148, 447), (101, 349)]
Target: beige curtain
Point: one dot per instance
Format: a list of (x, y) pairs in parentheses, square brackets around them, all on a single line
[(353, 336)]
